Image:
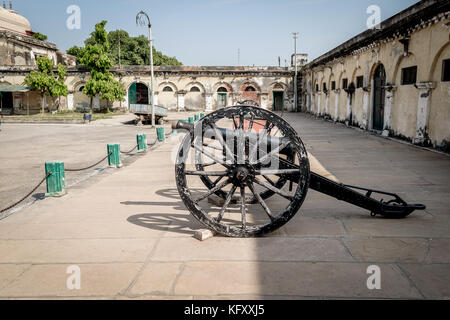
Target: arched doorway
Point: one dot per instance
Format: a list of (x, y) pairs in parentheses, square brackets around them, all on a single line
[(138, 93), (222, 97), (379, 80)]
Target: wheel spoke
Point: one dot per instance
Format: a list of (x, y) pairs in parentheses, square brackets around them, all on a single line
[(261, 202), (273, 152), (274, 189), (209, 155), (250, 126), (212, 147), (217, 181), (219, 137), (235, 123), (243, 209), (226, 204), (269, 180), (207, 173), (213, 190)]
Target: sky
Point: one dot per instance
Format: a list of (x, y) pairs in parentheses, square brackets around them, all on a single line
[(210, 32)]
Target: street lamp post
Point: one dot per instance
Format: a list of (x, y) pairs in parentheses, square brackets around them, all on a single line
[(142, 19), (296, 72)]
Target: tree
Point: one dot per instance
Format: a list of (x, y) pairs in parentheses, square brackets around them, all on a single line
[(45, 81), (95, 58), (39, 36), (133, 50)]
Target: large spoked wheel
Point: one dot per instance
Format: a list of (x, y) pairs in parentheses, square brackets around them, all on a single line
[(253, 160)]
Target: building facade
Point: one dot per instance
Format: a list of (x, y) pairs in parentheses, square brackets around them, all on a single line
[(393, 80)]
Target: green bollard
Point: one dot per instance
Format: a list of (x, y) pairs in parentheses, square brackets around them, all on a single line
[(161, 134), (191, 120), (56, 179), (114, 159), (196, 117), (202, 115), (142, 142)]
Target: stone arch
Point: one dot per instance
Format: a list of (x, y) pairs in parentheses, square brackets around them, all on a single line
[(222, 84), (189, 86), (250, 84), (342, 76), (195, 100), (167, 84), (436, 59)]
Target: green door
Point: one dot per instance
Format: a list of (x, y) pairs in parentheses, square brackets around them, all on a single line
[(221, 100), (132, 95)]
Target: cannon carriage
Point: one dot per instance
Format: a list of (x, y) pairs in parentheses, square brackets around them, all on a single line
[(257, 174)]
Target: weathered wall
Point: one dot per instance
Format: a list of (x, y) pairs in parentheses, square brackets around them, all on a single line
[(418, 112)]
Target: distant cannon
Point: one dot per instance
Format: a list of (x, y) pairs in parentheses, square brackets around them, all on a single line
[(255, 154)]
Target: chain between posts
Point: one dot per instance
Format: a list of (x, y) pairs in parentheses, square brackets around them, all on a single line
[(123, 152), (29, 194)]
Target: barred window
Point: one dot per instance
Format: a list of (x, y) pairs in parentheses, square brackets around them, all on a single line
[(344, 83), (333, 85)]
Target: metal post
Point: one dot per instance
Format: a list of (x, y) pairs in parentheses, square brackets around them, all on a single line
[(296, 73), (153, 76), (143, 19)]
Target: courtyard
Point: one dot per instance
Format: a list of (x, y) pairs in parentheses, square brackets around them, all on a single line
[(132, 237)]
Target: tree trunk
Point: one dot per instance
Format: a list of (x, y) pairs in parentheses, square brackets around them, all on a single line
[(92, 105), (44, 103)]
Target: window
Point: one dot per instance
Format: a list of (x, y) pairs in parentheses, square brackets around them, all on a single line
[(195, 89), (333, 85), (446, 70), (250, 89), (359, 82), (409, 75), (167, 89), (317, 88), (81, 89), (344, 83), (222, 90), (324, 86)]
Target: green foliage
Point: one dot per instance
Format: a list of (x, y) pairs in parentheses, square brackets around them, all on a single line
[(133, 50), (95, 58), (39, 36), (45, 81)]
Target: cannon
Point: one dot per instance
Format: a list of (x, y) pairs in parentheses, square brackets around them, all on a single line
[(256, 171)]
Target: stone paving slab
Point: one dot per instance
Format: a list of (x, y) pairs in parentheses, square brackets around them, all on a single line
[(334, 280), (132, 236)]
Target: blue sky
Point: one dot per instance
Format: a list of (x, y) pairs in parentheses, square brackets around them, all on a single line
[(210, 32)]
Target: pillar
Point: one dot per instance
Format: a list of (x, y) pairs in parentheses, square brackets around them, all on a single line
[(423, 111), (365, 115), (70, 101), (389, 103), (180, 105), (208, 101), (336, 105), (327, 104), (318, 103)]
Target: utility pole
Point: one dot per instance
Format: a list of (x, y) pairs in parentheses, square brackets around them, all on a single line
[(296, 72), (142, 19), (239, 57)]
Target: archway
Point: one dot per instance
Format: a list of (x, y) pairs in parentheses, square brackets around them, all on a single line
[(138, 93), (379, 80)]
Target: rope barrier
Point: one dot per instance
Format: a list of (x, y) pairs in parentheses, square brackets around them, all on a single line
[(29, 194), (86, 168)]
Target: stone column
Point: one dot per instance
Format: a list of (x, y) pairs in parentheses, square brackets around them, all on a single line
[(423, 111), (336, 104), (265, 100), (318, 103), (208, 101), (156, 97), (327, 103), (70, 101), (180, 105), (349, 110), (365, 115), (388, 105)]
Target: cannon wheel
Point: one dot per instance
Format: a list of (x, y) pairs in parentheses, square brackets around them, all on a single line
[(243, 175)]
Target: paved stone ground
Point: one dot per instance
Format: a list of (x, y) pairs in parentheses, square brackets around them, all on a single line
[(131, 235)]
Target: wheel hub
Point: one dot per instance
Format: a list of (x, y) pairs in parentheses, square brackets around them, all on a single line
[(241, 174)]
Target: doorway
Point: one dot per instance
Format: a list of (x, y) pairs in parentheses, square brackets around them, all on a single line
[(278, 101), (6, 103), (138, 94), (221, 100), (379, 80)]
